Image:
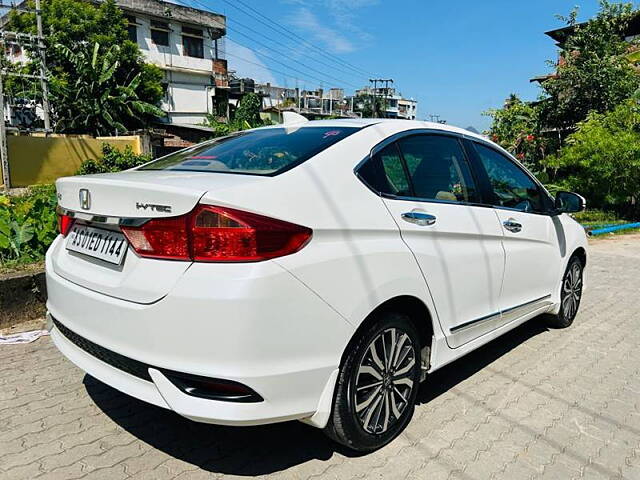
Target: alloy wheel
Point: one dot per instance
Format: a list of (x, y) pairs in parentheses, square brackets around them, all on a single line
[(384, 380), (572, 291)]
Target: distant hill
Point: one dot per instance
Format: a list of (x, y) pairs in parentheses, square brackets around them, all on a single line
[(473, 130)]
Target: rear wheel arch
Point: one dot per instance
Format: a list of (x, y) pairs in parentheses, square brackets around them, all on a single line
[(412, 307), (581, 253)]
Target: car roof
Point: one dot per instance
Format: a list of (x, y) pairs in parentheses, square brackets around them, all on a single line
[(400, 124)]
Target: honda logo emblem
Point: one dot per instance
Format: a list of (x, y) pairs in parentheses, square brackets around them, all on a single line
[(85, 199)]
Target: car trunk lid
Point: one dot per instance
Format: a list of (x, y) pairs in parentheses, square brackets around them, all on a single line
[(131, 196)]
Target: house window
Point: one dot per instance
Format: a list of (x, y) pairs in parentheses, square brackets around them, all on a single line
[(193, 42), (132, 28), (160, 33)]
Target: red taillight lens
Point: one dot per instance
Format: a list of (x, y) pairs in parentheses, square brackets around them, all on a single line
[(217, 234), (226, 235), (65, 223), (161, 238)]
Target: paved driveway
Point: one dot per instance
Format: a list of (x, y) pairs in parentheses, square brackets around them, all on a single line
[(535, 403)]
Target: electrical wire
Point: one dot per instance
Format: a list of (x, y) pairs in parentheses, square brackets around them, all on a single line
[(258, 52), (291, 35), (286, 32)]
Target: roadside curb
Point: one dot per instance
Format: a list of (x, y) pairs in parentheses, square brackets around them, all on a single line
[(22, 297)]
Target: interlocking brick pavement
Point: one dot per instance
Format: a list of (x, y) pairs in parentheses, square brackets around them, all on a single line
[(535, 403)]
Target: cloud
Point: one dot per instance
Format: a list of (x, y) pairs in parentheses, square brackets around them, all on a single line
[(305, 20), (246, 63), (344, 13), (339, 30)]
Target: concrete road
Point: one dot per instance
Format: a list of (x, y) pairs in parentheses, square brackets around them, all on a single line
[(535, 403)]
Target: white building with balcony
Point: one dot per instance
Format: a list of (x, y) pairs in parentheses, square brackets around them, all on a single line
[(185, 43)]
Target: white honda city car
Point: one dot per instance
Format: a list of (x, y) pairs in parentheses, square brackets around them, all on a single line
[(314, 271)]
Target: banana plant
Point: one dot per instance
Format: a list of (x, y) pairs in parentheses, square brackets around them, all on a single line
[(93, 100)]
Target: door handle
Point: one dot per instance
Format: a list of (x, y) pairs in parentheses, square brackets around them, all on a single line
[(512, 225), (421, 219)]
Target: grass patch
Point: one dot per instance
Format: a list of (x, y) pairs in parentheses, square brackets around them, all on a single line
[(597, 217)]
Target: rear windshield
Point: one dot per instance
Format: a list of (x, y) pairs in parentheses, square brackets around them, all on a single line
[(266, 151)]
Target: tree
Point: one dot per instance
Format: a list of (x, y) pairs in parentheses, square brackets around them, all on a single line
[(602, 158), (246, 116), (368, 105), (594, 73), (249, 111), (516, 127), (93, 100), (78, 26)]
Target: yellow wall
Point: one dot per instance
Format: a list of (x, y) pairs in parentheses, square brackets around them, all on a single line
[(37, 159)]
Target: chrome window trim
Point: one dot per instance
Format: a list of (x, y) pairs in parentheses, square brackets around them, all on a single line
[(417, 131), (512, 312), (103, 219), (409, 133)]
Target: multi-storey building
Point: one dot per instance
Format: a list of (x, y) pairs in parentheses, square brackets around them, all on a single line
[(186, 44), (394, 105)]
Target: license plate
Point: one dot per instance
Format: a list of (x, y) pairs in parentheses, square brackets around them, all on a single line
[(97, 243)]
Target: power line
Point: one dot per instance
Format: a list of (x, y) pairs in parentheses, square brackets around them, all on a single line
[(271, 69), (359, 75), (292, 35), (321, 80), (350, 65), (258, 52), (285, 46)]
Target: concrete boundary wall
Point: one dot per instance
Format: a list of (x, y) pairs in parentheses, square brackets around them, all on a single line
[(39, 159)]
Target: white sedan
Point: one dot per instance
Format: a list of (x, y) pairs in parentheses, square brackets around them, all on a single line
[(316, 271)]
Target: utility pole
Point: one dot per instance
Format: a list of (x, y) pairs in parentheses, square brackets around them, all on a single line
[(373, 97), (43, 66), (386, 82), (435, 118), (20, 39), (4, 157)]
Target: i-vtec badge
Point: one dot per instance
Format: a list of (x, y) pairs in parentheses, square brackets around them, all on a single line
[(153, 207)]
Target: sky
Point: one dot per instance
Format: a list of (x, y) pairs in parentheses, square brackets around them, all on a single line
[(457, 58)]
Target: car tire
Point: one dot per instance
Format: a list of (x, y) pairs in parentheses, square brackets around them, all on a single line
[(376, 389), (570, 295)]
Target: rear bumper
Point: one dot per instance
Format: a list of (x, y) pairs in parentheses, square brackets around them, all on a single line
[(254, 324)]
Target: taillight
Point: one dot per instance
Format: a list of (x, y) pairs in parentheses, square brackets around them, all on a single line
[(217, 234), (161, 238), (65, 222)]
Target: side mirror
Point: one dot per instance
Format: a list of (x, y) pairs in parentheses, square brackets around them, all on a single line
[(568, 202)]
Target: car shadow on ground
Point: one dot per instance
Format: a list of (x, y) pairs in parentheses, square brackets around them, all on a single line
[(271, 448), (448, 377)]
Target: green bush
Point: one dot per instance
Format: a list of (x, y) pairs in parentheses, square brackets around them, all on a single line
[(28, 225), (246, 116), (602, 159), (113, 160), (596, 217)]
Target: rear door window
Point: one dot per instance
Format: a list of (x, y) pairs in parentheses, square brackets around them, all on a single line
[(438, 168), (267, 151)]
